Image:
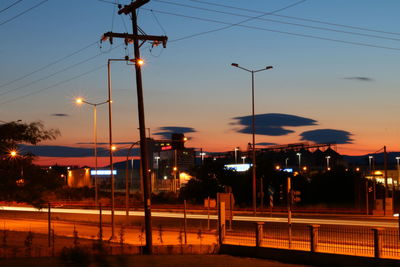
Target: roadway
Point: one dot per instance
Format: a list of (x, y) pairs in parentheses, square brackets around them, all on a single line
[(322, 219)]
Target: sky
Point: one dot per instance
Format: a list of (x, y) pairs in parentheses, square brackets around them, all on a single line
[(334, 76)]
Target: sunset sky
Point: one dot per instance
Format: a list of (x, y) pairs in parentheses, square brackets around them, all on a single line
[(335, 75)]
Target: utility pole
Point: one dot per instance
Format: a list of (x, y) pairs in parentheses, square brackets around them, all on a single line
[(135, 37)]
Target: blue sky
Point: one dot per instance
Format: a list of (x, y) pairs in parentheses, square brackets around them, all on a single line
[(347, 83)]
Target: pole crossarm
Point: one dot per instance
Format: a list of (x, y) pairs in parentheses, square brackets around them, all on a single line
[(132, 7), (138, 37)]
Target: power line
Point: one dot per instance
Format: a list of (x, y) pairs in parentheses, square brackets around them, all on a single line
[(54, 85), (264, 29), (298, 18), (230, 25), (49, 64), (23, 12), (50, 75), (281, 22), (13, 4)]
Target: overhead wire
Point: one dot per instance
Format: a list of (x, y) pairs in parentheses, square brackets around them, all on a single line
[(10, 6), (54, 85), (299, 18), (55, 73), (23, 12), (49, 64), (280, 22), (263, 29)]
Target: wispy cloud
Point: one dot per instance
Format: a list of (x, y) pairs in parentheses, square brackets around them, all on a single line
[(359, 78), (59, 115), (165, 132), (327, 136), (273, 124)]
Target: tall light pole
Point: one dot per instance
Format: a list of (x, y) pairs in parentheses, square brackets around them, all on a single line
[(328, 167), (80, 101), (286, 160), (137, 62), (202, 154), (236, 150), (244, 159), (253, 129), (299, 155), (398, 172), (370, 158)]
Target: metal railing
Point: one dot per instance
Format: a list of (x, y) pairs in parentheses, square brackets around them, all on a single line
[(346, 240)]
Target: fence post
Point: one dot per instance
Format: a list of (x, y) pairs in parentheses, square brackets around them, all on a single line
[(49, 224), (313, 237), (377, 242), (259, 233), (221, 222), (185, 221)]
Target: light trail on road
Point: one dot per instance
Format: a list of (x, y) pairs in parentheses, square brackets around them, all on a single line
[(391, 224)]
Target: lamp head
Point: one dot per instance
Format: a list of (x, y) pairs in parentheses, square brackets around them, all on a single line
[(235, 65), (268, 67)]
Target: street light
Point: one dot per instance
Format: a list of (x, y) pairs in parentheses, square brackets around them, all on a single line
[(328, 167), (80, 101), (253, 129), (398, 172), (370, 159), (243, 158), (202, 154), (286, 160), (236, 150), (299, 155)]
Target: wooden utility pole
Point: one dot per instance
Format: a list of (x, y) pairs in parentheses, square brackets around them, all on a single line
[(135, 37)]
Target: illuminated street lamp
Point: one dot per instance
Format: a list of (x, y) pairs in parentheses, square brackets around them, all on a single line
[(80, 101), (328, 167), (243, 158), (236, 150), (370, 160), (398, 171), (202, 154), (299, 155), (286, 161), (253, 129), (13, 153)]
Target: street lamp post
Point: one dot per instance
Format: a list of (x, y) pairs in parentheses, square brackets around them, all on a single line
[(253, 129), (137, 62), (286, 160), (370, 158), (299, 155), (236, 150), (398, 173), (94, 105), (244, 159), (328, 167)]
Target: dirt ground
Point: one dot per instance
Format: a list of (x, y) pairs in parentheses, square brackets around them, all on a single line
[(153, 261)]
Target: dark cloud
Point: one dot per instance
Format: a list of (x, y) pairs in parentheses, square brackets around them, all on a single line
[(266, 144), (59, 115), (67, 151), (327, 136), (360, 78), (165, 132), (272, 123)]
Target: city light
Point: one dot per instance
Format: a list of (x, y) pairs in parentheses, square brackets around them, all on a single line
[(13, 153)]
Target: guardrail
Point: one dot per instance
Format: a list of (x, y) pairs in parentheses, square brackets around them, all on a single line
[(356, 241)]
